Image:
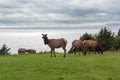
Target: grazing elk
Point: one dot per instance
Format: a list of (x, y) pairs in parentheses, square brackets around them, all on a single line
[(77, 46), (55, 43), (22, 50), (92, 46), (31, 50)]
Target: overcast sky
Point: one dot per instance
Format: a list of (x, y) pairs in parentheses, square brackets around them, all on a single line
[(59, 13)]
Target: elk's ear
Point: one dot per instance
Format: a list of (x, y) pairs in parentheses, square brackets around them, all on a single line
[(46, 34), (42, 34)]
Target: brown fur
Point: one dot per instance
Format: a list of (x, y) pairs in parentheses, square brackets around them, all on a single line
[(31, 50), (22, 50), (92, 46), (77, 46), (55, 43)]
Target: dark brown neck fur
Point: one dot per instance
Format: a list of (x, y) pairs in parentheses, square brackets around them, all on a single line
[(46, 40)]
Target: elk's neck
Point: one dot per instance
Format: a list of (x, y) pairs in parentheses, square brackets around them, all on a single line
[(46, 40)]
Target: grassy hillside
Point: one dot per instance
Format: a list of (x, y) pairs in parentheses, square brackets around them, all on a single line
[(73, 67)]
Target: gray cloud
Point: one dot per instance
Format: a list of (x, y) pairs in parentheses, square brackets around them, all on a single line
[(59, 12)]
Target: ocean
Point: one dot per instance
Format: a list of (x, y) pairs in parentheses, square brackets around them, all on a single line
[(28, 38)]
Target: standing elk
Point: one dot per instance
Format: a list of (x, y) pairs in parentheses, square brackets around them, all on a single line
[(55, 43)]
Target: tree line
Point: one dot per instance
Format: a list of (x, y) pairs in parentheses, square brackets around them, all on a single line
[(107, 39)]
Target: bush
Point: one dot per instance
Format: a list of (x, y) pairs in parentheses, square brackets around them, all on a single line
[(4, 50), (118, 33), (87, 36), (106, 38), (117, 43)]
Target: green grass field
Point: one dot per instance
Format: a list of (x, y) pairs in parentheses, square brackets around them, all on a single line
[(73, 67)]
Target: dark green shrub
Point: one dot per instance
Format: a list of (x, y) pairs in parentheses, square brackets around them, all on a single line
[(116, 44), (106, 38), (118, 34), (87, 36), (4, 50)]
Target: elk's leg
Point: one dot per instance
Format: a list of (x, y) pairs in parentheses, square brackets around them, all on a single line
[(97, 50), (84, 49), (74, 50), (64, 52), (101, 50), (51, 52), (85, 52), (54, 52)]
